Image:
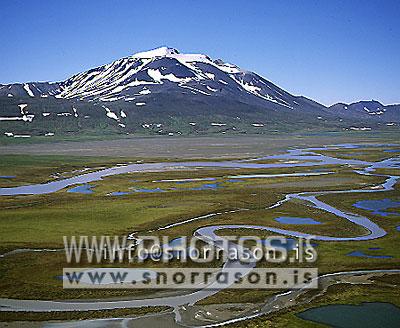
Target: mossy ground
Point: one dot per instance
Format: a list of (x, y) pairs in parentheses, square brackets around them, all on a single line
[(41, 221)]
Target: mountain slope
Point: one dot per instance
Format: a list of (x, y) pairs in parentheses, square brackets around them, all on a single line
[(162, 91)]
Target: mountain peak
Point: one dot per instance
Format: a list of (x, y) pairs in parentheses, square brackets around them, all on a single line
[(157, 52), (171, 53)]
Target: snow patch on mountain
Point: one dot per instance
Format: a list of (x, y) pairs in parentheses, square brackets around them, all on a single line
[(145, 92), (28, 90), (157, 76), (110, 114)]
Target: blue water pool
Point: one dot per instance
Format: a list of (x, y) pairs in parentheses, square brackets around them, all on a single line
[(296, 220), (207, 186), (149, 190), (378, 207), (362, 254), (83, 189), (119, 193)]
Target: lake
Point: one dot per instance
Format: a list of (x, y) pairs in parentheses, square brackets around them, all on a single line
[(364, 315)]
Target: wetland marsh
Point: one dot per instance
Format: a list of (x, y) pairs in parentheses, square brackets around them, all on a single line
[(345, 188)]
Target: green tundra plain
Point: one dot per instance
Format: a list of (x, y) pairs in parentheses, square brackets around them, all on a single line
[(40, 221)]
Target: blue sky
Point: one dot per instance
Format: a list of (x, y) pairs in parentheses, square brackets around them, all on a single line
[(328, 50)]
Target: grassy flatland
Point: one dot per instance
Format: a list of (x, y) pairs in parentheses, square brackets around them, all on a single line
[(74, 315), (41, 221), (211, 146)]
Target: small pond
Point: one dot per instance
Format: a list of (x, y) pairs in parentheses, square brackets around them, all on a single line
[(365, 315), (83, 189), (119, 193), (378, 207), (362, 254), (296, 220)]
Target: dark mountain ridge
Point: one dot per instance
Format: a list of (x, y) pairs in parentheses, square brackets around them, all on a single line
[(164, 92)]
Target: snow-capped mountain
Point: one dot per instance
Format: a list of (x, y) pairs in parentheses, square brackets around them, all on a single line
[(160, 70), (170, 86)]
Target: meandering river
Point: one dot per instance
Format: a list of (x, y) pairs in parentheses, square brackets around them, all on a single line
[(293, 158)]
